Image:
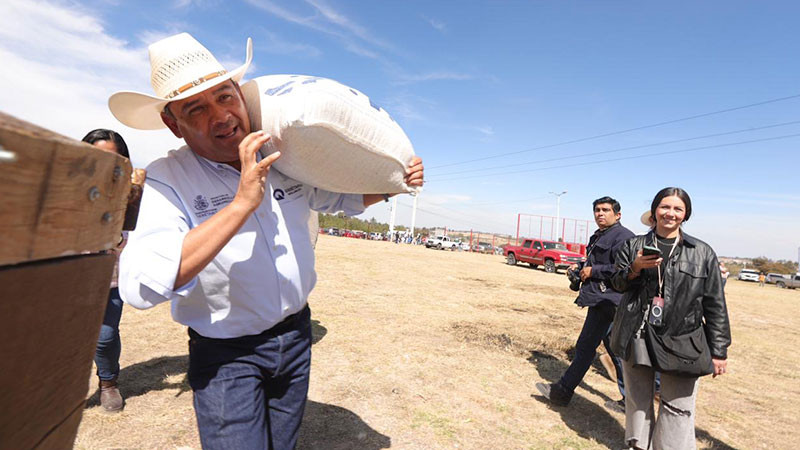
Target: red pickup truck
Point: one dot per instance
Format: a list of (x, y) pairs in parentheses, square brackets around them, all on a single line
[(536, 252)]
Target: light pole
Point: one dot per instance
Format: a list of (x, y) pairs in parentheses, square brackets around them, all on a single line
[(558, 208)]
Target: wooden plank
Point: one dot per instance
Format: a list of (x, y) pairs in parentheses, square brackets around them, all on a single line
[(60, 196), (52, 311)]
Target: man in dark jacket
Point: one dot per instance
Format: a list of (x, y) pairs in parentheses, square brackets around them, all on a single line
[(596, 294)]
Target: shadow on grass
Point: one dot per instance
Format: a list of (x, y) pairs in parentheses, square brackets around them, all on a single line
[(324, 426), (332, 427), (317, 331), (141, 378), (589, 420)]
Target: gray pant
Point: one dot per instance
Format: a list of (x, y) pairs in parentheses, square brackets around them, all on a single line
[(674, 427)]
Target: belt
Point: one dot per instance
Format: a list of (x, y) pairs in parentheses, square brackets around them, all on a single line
[(287, 324)]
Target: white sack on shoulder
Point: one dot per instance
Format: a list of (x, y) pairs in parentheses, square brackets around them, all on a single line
[(330, 136)]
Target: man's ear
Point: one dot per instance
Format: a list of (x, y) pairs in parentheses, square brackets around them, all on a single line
[(172, 124)]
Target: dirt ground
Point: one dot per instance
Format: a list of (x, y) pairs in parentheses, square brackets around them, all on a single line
[(421, 349)]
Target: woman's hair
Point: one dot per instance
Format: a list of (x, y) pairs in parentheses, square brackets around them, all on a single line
[(102, 134), (669, 192)]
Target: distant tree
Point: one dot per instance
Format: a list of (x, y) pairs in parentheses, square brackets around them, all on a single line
[(766, 265)]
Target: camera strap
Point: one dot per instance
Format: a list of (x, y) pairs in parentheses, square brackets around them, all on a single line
[(661, 277)]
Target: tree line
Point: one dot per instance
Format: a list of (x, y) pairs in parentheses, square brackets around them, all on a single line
[(766, 265), (343, 222)]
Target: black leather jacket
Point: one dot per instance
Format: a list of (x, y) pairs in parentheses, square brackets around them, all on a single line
[(692, 293), (603, 247)]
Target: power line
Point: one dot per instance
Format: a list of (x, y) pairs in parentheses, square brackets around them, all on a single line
[(510, 201), (628, 157), (635, 147), (629, 130), (452, 218), (436, 214)]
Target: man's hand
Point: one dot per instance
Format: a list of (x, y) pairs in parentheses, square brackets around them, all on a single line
[(414, 172), (253, 173), (414, 177), (586, 273), (720, 367)]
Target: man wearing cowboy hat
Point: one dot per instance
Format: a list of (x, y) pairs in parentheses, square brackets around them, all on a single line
[(224, 238)]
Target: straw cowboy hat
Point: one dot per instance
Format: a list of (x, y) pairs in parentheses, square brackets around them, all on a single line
[(647, 219), (179, 68)]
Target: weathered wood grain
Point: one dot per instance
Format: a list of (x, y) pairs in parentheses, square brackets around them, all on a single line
[(59, 196), (52, 311)]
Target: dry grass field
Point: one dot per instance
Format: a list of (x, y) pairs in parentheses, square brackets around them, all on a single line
[(421, 349)]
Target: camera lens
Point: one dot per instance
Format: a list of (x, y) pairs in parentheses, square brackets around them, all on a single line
[(657, 311)]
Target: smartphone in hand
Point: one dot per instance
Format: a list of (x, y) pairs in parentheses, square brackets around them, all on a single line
[(648, 250)]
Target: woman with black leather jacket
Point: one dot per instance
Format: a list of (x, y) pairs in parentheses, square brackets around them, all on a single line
[(672, 319)]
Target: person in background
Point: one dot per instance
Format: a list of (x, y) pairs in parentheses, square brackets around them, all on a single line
[(596, 294), (109, 345), (672, 294), (724, 272), (761, 279)]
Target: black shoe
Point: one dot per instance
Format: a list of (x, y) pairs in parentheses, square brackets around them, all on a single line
[(616, 406), (554, 393)]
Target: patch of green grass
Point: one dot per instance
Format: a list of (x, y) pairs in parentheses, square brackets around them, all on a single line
[(440, 424)]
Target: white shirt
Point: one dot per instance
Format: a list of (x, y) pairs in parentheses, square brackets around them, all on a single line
[(261, 276)]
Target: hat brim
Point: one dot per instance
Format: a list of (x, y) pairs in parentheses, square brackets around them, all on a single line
[(143, 111), (647, 219)]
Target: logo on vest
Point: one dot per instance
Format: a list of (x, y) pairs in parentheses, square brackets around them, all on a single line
[(278, 194), (200, 203)]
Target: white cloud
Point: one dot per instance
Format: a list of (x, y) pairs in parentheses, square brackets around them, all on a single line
[(182, 4), (279, 46), (408, 107), (323, 18), (436, 24), (60, 66), (433, 76), (485, 130), (347, 24)]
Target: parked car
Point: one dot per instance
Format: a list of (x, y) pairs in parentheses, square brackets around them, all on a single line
[(441, 243), (748, 275), (773, 278), (376, 236), (482, 247), (536, 252), (463, 246), (333, 231), (789, 282)]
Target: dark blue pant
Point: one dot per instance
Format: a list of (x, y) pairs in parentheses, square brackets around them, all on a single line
[(250, 392), (109, 346), (596, 329)]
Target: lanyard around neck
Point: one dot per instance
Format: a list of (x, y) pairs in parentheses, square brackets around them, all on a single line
[(660, 278)]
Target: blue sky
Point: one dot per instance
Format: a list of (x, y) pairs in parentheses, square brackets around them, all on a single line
[(479, 80)]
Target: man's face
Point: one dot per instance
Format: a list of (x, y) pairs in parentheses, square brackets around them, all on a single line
[(604, 215), (212, 122)]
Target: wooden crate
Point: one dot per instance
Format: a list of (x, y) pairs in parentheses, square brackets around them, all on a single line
[(63, 202), (59, 196)]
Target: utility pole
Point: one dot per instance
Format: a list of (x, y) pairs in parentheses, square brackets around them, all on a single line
[(558, 208), (393, 212), (414, 214)]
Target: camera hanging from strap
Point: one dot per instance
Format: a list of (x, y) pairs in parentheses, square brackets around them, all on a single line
[(656, 309)]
